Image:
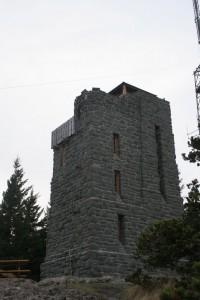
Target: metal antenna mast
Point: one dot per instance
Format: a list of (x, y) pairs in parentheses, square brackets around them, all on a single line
[(197, 17), (197, 71)]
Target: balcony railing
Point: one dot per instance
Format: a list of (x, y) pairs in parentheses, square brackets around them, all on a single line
[(62, 132)]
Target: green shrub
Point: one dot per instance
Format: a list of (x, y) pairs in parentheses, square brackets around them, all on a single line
[(139, 278), (196, 269), (135, 277), (167, 294), (195, 284)]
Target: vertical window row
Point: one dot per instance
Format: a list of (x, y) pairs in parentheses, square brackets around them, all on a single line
[(160, 160), (117, 182)]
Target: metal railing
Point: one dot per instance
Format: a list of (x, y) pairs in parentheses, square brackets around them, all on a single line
[(62, 132)]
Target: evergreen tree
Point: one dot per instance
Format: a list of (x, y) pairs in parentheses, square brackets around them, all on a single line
[(176, 243), (22, 227), (194, 155), (166, 242), (31, 221), (11, 213), (38, 249), (34, 236)]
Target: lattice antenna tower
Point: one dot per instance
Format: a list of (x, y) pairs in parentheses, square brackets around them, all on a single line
[(197, 71)]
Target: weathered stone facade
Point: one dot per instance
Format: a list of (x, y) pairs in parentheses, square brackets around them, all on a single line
[(93, 226)]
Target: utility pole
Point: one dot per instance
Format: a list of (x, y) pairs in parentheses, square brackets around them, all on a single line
[(197, 71)]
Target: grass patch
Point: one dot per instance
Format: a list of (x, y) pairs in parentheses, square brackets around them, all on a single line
[(145, 287), (124, 291), (137, 292), (88, 288)]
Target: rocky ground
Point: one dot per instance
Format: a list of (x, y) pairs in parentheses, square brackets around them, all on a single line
[(63, 288)]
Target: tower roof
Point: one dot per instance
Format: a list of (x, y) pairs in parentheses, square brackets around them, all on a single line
[(118, 90)]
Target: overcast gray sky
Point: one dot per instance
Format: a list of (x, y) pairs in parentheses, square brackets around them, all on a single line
[(51, 50)]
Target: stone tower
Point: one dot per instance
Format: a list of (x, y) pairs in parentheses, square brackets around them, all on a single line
[(114, 172)]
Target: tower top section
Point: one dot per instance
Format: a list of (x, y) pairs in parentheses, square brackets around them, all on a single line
[(124, 88), (68, 128)]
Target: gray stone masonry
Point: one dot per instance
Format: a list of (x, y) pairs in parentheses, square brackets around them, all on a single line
[(84, 230)]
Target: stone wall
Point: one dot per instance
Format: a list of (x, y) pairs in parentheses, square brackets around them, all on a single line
[(83, 231)]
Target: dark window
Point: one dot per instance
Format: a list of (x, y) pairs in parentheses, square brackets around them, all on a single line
[(62, 161), (117, 182), (121, 229), (160, 160), (116, 144)]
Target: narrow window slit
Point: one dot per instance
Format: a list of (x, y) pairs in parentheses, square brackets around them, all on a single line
[(117, 182), (160, 161), (116, 144)]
